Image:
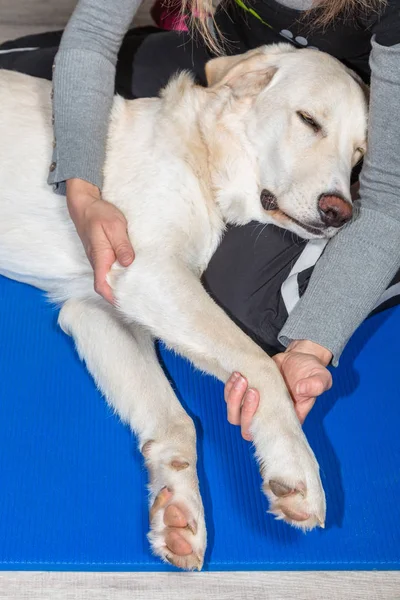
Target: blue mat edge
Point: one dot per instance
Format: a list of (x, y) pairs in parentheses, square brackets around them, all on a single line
[(150, 568)]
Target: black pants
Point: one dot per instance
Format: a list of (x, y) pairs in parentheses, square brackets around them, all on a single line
[(248, 269)]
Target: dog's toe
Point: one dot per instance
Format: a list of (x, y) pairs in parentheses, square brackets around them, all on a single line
[(293, 505), (296, 504), (191, 562), (176, 543)]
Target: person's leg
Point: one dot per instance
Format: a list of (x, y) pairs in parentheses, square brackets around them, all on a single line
[(34, 55), (37, 62), (48, 39), (245, 277), (152, 64), (148, 58)]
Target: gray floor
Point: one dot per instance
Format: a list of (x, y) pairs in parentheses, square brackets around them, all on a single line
[(21, 17), (201, 586)]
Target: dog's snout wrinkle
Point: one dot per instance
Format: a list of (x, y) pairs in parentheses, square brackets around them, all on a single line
[(334, 209)]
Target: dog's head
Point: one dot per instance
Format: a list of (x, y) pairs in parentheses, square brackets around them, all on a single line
[(292, 126)]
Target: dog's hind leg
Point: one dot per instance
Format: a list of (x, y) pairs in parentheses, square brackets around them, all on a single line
[(123, 362)]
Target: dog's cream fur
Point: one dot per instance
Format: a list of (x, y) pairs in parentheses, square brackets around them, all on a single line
[(180, 167)]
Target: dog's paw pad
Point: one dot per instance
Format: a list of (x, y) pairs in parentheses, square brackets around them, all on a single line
[(281, 490), (292, 504), (176, 535), (179, 465), (176, 543), (175, 517)]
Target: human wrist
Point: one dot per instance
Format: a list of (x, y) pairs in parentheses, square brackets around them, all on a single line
[(79, 190), (307, 347), (80, 195)]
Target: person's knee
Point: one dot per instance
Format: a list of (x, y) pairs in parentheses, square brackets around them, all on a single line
[(38, 63), (161, 56)]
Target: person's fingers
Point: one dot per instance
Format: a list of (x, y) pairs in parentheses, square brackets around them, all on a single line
[(313, 386), (303, 408), (235, 399), (249, 408), (102, 258), (101, 269), (119, 240), (229, 384)]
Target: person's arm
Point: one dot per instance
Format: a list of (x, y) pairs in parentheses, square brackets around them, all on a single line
[(359, 263), (83, 81), (83, 89)]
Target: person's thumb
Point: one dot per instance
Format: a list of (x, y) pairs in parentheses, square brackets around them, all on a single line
[(311, 387), (121, 245), (124, 253)]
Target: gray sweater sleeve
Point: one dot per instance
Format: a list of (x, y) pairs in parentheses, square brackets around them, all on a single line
[(361, 260), (83, 83)]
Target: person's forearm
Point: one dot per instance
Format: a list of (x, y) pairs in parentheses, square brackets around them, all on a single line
[(359, 263), (83, 82)]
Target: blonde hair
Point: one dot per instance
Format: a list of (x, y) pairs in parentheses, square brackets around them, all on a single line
[(323, 12)]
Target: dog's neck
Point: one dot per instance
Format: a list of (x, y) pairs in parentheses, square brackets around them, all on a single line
[(208, 137), (217, 146)]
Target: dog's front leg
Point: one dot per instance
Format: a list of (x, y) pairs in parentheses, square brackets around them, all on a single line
[(169, 300)]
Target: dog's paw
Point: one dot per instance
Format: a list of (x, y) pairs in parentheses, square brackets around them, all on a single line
[(292, 484), (177, 534), (177, 527)]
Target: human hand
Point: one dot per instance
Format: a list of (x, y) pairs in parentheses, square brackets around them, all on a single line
[(303, 366), (103, 230), (241, 403)]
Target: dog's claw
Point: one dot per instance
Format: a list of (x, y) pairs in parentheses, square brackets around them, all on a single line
[(192, 526)]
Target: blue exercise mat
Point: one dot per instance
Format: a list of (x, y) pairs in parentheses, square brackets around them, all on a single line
[(72, 482)]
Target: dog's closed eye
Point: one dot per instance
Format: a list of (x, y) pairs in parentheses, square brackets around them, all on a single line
[(359, 154), (308, 120)]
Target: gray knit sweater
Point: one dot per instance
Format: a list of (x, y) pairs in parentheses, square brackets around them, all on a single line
[(357, 264)]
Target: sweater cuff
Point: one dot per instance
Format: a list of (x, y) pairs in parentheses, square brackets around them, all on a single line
[(80, 120), (336, 301)]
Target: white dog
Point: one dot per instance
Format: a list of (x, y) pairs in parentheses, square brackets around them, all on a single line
[(273, 138)]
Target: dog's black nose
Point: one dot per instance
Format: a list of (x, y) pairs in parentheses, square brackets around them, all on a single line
[(268, 200), (334, 210)]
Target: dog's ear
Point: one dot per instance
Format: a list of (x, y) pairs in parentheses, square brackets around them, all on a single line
[(365, 88), (247, 75), (217, 68)]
